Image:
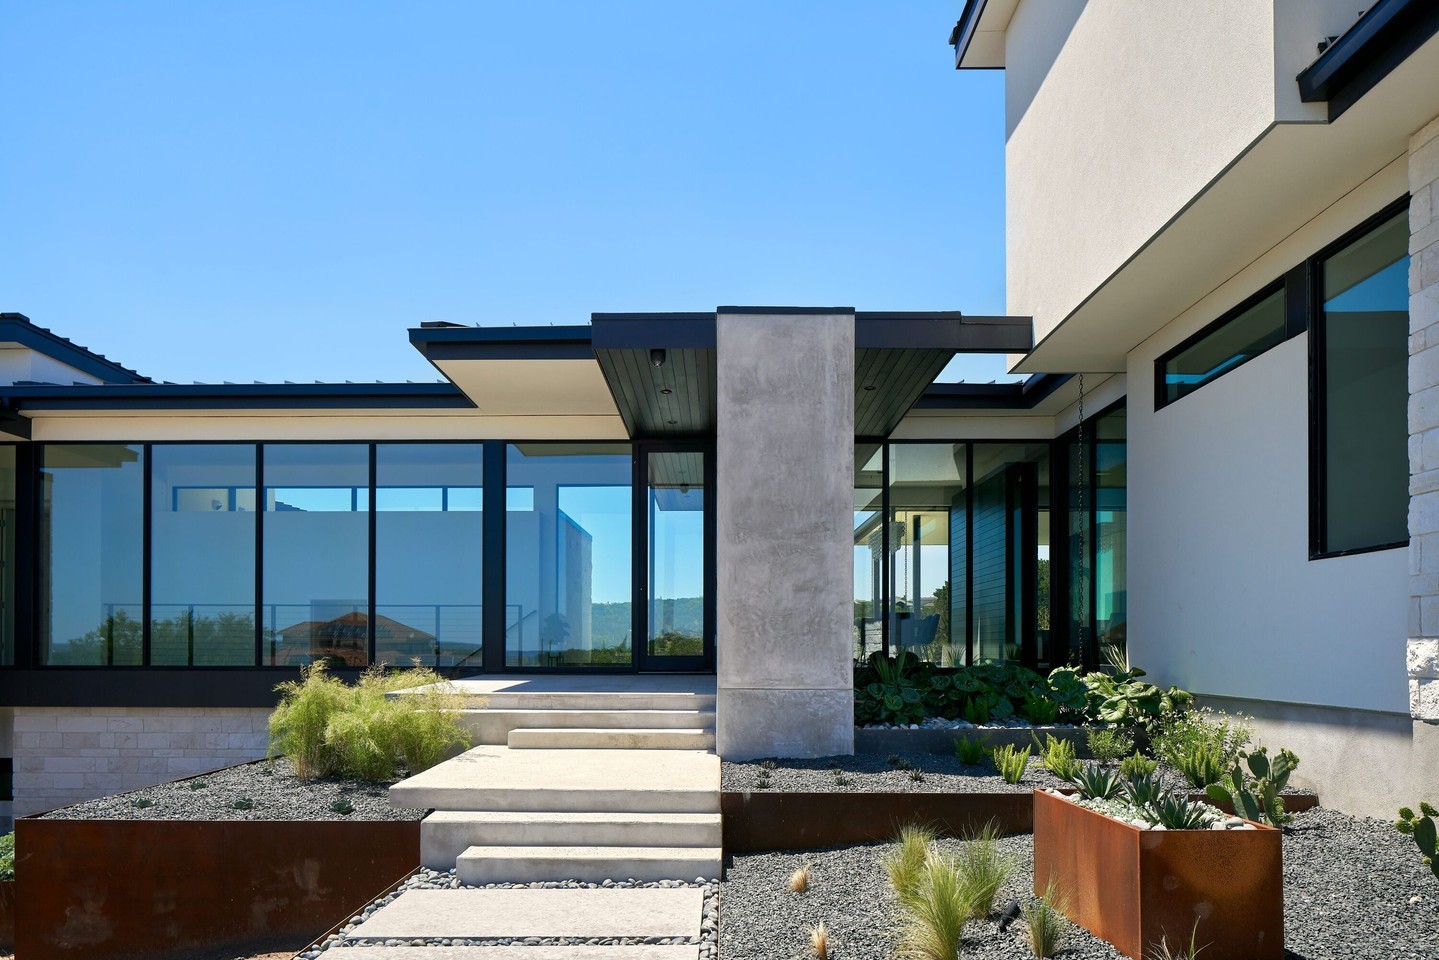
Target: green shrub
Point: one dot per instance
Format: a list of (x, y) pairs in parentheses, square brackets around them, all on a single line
[(1011, 762), (329, 728), (1137, 765), (1056, 755), (984, 868), (7, 857), (1202, 744), (1045, 926), (971, 753), (1108, 744)]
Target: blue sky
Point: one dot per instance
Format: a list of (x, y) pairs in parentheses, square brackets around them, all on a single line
[(277, 191)]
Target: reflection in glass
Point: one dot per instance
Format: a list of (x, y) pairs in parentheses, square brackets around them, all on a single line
[(1110, 529), (428, 552), (677, 554), (202, 554), (1366, 390), (1242, 338), (868, 549), (568, 556), (91, 531), (927, 546), (315, 601), (1009, 562)]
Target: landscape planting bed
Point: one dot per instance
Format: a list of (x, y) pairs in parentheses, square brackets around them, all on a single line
[(1353, 889)]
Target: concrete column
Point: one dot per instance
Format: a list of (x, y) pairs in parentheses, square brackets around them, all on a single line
[(1423, 653), (784, 552)]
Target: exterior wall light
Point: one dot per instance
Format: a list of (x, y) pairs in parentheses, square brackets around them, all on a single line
[(657, 358)]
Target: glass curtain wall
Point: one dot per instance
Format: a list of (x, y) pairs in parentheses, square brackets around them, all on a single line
[(1110, 521), (928, 515), (429, 553), (868, 549), (7, 555), (677, 554), (202, 555), (91, 538), (569, 585), (316, 541), (1010, 554)]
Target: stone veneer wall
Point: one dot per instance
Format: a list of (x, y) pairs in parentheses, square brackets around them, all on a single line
[(67, 754), (1423, 653)]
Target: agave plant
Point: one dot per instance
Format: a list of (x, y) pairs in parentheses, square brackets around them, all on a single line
[(1096, 783), (1143, 790), (1176, 813)]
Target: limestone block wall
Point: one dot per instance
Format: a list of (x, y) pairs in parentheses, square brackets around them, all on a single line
[(1423, 653), (67, 754)]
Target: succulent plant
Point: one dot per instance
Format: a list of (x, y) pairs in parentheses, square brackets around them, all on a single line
[(1257, 796), (1174, 812), (1143, 791), (1096, 783), (1421, 828)]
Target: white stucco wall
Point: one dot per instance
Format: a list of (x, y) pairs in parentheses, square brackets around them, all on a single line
[(1120, 113)]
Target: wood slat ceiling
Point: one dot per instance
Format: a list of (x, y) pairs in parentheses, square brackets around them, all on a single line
[(887, 382), (639, 388)]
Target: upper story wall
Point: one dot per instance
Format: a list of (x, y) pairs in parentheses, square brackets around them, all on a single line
[(1121, 112)]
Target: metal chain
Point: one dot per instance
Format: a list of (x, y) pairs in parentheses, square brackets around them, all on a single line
[(1083, 481)]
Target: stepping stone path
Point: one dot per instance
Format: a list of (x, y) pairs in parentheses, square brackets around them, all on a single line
[(584, 825)]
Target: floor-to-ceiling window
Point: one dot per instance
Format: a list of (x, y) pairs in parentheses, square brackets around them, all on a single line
[(868, 549), (90, 554), (316, 539), (429, 532), (1110, 521), (676, 587), (202, 554), (569, 555), (928, 514), (8, 492)]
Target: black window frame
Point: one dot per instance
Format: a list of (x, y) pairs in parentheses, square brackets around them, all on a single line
[(1318, 424), (1281, 285)]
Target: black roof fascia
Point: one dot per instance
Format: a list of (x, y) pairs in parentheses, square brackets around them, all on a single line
[(235, 396), (18, 328), (1023, 395), (503, 343), (963, 31), (943, 330), (640, 331), (1380, 40), (13, 425)]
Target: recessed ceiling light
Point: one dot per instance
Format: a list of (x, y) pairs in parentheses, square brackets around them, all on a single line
[(869, 386), (666, 391), (672, 422)]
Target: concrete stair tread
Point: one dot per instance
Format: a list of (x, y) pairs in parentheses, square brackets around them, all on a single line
[(444, 835), (611, 738), (672, 912), (581, 853), (506, 864)]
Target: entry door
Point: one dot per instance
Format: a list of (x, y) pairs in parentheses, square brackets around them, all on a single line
[(674, 602)]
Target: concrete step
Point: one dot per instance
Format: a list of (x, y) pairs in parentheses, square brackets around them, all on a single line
[(494, 726), (479, 865), (609, 738), (496, 778), (590, 700), (444, 835)]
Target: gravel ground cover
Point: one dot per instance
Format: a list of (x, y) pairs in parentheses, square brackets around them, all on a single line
[(707, 937), (893, 773), (1354, 889), (271, 788)]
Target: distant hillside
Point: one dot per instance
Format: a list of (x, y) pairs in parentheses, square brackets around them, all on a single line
[(610, 623)]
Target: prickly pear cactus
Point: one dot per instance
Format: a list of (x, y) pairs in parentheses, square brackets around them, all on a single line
[(1421, 828), (1257, 797)]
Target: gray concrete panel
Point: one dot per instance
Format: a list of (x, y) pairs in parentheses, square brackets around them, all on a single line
[(784, 503)]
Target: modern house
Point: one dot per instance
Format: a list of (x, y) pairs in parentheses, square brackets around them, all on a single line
[(1218, 248)]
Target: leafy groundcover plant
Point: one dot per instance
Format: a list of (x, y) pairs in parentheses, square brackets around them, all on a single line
[(329, 728)]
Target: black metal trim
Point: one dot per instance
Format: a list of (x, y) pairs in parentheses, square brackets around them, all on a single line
[(1020, 395), (943, 330), (146, 516), (886, 570), (18, 328), (1161, 399), (968, 554), (1318, 494), (237, 396), (27, 512), (371, 630), (1378, 42), (644, 331), (492, 562), (259, 556), (963, 33), (785, 311)]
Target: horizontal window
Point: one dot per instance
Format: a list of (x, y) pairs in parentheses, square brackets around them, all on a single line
[(1235, 339)]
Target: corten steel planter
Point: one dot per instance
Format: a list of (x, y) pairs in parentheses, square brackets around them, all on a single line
[(756, 820), (7, 915), (121, 889), (1132, 887)]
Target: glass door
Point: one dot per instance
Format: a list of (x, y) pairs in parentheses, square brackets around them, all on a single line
[(675, 613)]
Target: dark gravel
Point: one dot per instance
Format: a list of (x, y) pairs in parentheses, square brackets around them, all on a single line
[(1354, 889), (272, 788), (893, 773)]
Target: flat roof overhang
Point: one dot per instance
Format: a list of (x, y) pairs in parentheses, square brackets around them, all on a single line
[(978, 37), (1285, 178), (658, 371)]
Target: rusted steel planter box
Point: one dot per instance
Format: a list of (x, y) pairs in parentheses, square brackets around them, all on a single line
[(1132, 887), (7, 915), (121, 889), (757, 820)]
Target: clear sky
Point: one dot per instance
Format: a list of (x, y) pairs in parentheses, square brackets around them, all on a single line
[(277, 190)]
